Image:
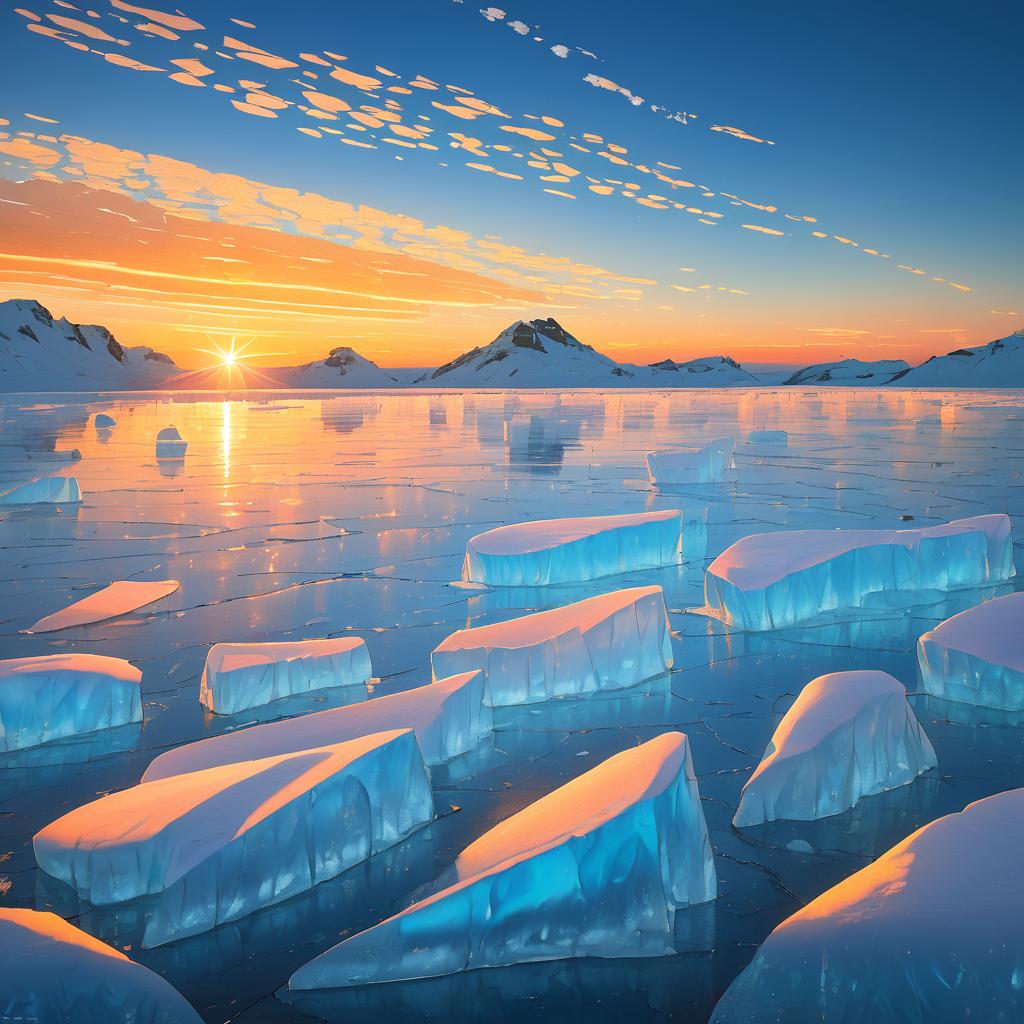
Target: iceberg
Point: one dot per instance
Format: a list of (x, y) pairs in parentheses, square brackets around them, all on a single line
[(52, 971), (45, 490), (242, 676), (596, 868), (52, 696), (608, 642), (169, 444), (692, 464), (119, 598), (220, 843), (929, 932), (551, 551), (848, 735), (104, 422), (977, 657), (449, 718), (774, 580), (773, 437)]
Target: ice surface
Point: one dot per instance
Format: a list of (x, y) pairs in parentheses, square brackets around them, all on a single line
[(220, 843), (607, 642), (848, 735), (977, 656), (773, 580), (449, 718), (118, 599), (169, 444), (697, 464), (596, 868), (56, 695), (929, 932), (103, 422), (51, 972), (779, 437), (549, 551), (44, 490)]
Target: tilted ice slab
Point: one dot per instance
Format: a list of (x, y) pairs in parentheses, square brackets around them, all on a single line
[(51, 972), (57, 695), (773, 580), (596, 868), (573, 550), (119, 598), (242, 676), (169, 444), (449, 718), (759, 437), (221, 843), (607, 642), (102, 421), (977, 656), (47, 490), (692, 464), (930, 932), (848, 735)]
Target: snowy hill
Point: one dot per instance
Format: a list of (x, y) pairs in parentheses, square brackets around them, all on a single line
[(1000, 364), (856, 373), (343, 368), (710, 372), (39, 353)]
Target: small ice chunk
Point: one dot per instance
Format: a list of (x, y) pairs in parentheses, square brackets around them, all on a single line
[(848, 735), (779, 437), (119, 598), (103, 422), (977, 657), (550, 551), (218, 844), (596, 868), (449, 717), (45, 490), (242, 676), (52, 971), (169, 444), (607, 642), (774, 580), (56, 695), (692, 464)]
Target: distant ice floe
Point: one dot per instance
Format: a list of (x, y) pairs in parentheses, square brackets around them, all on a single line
[(696, 464), (46, 490), (102, 421), (169, 444), (119, 598), (768, 437), (597, 868)]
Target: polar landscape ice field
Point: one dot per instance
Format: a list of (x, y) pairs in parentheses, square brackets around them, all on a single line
[(293, 516)]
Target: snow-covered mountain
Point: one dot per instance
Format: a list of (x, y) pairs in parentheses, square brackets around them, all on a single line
[(710, 372), (39, 353), (343, 368), (999, 364), (856, 373)]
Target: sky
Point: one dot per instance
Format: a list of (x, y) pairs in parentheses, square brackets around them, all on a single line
[(789, 183)]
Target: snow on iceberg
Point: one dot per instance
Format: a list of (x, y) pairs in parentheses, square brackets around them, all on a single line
[(774, 580), (52, 696), (51, 971), (692, 464), (607, 642), (848, 735), (242, 676), (596, 868), (550, 551), (449, 718), (218, 844), (46, 490), (119, 598), (929, 932), (169, 444), (977, 657)]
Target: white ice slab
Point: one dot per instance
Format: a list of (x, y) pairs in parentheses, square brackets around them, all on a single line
[(772, 437), (596, 868), (119, 598), (218, 844), (773, 580), (848, 735), (692, 464), (51, 972), (169, 444), (931, 931), (607, 642), (550, 551), (46, 490), (57, 695), (242, 676), (449, 718)]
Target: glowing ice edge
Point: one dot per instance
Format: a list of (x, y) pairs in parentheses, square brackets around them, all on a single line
[(696, 464), (119, 598), (47, 490)]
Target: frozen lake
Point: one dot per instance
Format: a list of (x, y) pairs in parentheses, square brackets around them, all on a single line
[(297, 515)]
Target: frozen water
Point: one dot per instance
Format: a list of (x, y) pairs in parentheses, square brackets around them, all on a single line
[(118, 599), (706, 463), (53, 696), (51, 971), (772, 437), (220, 843), (102, 421), (169, 444), (848, 735), (237, 677), (550, 551), (606, 642), (774, 580), (49, 490), (596, 868)]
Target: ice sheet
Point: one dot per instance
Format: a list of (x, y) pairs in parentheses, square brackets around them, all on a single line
[(706, 463), (119, 598), (47, 490)]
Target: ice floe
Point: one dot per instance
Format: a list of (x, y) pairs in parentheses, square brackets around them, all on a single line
[(169, 444), (768, 437), (46, 490), (692, 464), (104, 422), (119, 598)]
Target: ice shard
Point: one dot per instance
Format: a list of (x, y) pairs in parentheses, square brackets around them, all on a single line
[(607, 642), (848, 735), (46, 490), (931, 931), (220, 843), (53, 696), (692, 464), (449, 718), (169, 444), (52, 971), (550, 551), (242, 676), (119, 598), (596, 868), (774, 580)]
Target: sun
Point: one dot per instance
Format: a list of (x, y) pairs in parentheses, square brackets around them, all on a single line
[(230, 358)]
